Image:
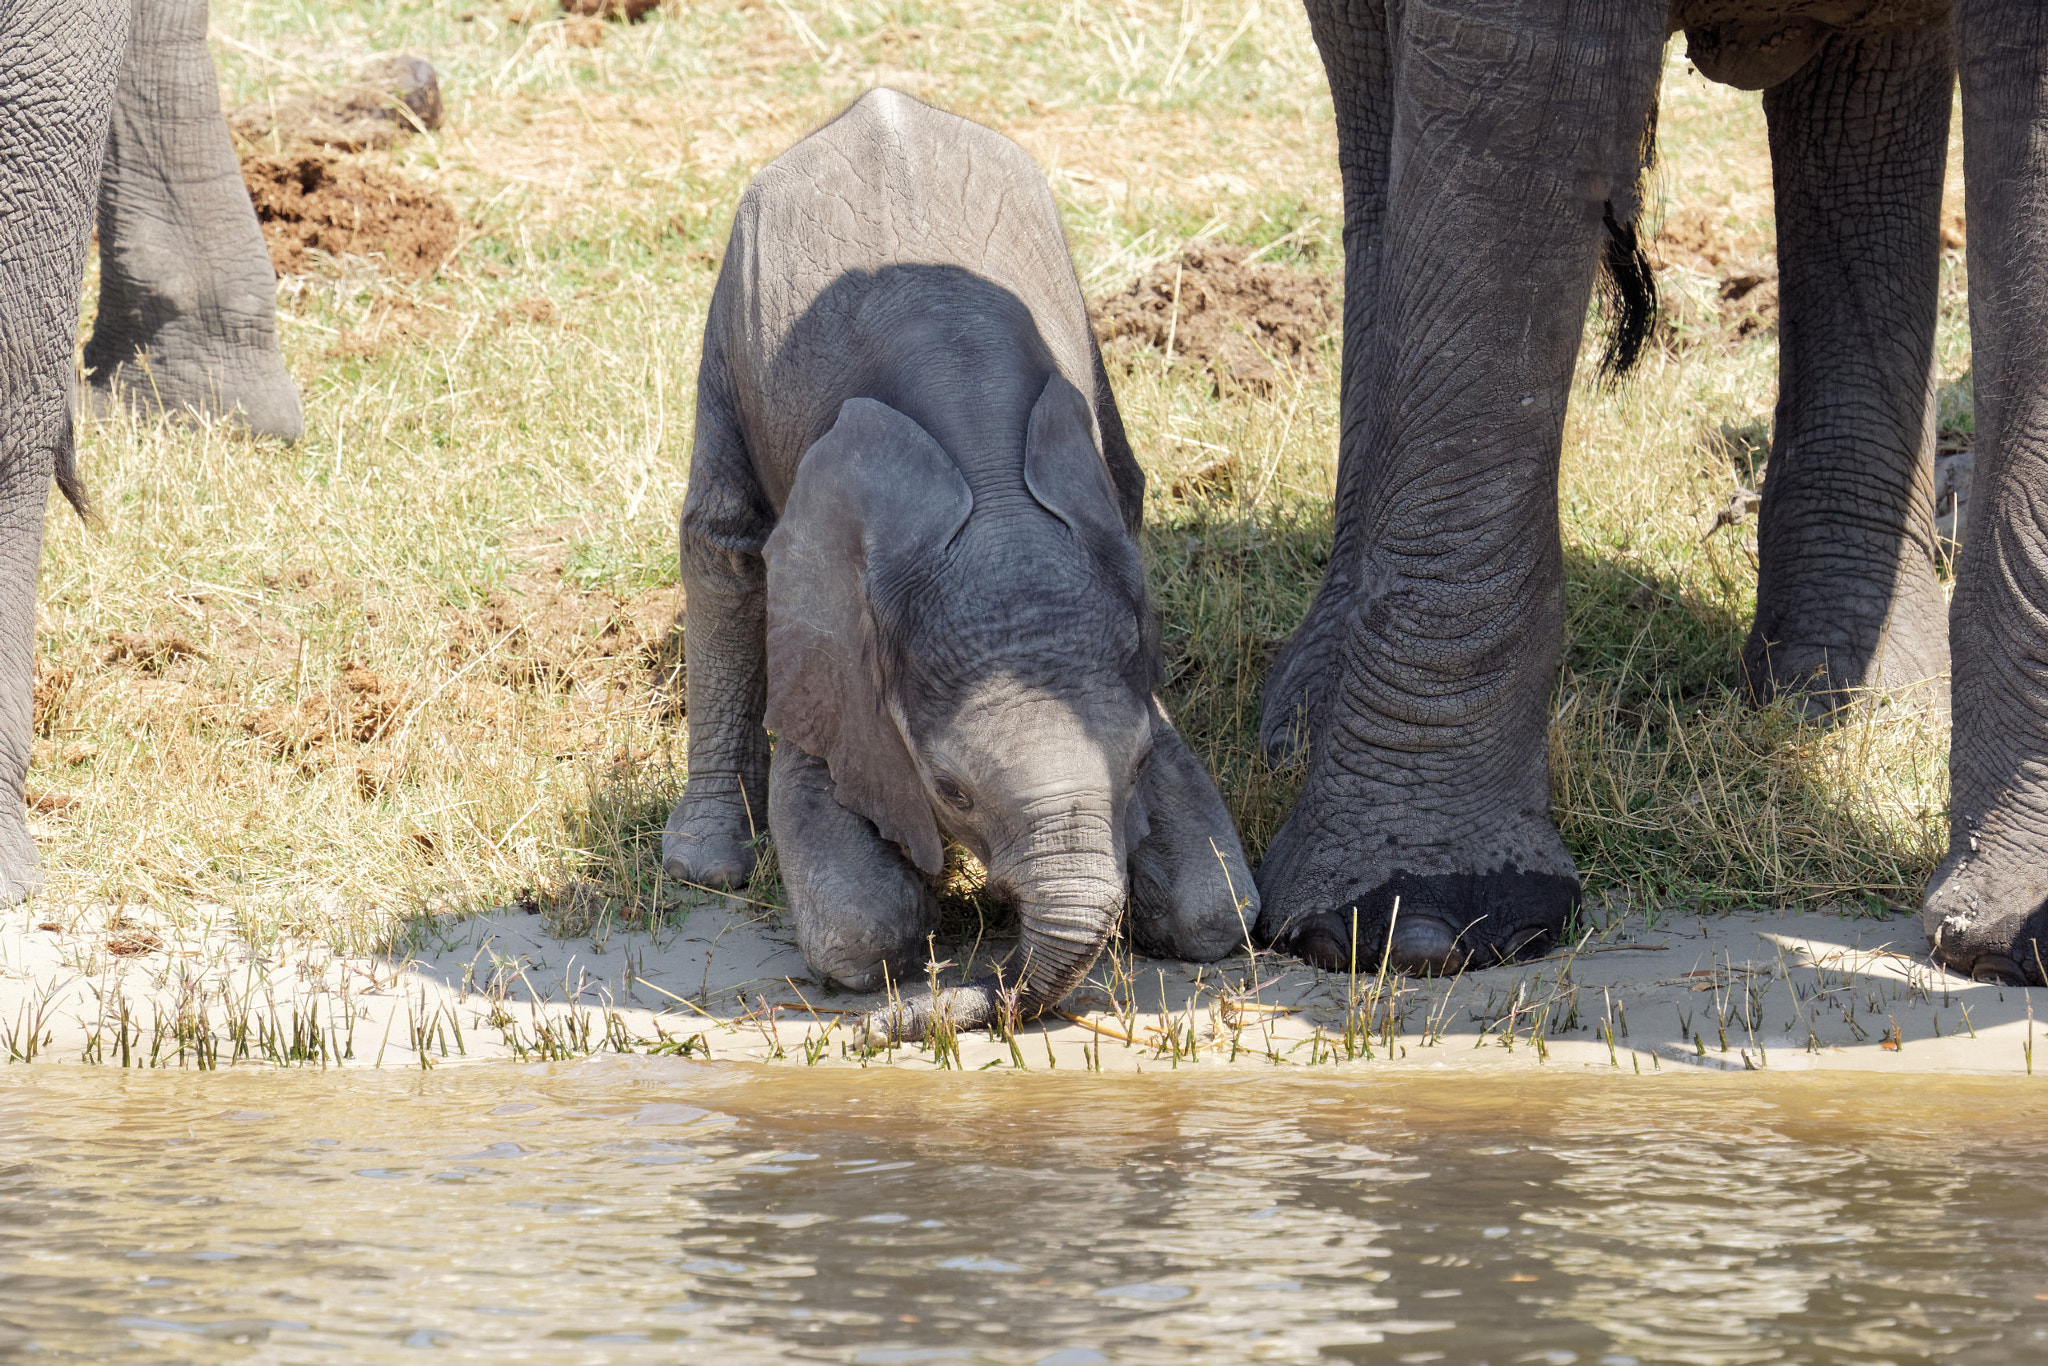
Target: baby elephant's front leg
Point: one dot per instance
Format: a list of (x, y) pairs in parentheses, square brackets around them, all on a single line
[(1192, 895), (862, 911)]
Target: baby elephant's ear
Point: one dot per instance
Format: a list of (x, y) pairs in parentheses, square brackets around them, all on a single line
[(1064, 470), (870, 493)]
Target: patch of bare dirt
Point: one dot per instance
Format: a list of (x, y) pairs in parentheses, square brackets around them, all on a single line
[(52, 682), (47, 803), (1218, 478), (542, 633), (1218, 307), (1741, 267), (1738, 268), (390, 99), (310, 201), (359, 706), (389, 324)]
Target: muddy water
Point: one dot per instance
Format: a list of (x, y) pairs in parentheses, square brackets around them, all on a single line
[(655, 1211)]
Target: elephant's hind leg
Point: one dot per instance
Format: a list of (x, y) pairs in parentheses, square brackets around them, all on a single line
[(861, 911), (1846, 592), (188, 302), (1427, 784), (726, 520)]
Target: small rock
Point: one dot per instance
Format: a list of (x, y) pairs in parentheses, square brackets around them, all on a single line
[(389, 99)]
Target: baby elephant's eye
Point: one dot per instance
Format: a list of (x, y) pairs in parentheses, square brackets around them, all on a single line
[(954, 794), (1144, 762)]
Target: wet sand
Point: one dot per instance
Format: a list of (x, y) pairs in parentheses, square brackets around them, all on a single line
[(1744, 991)]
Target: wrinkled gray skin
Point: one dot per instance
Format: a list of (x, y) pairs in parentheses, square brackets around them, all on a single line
[(1482, 144), (85, 85), (909, 542)]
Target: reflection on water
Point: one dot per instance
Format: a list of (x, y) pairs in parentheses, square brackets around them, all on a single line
[(642, 1210)]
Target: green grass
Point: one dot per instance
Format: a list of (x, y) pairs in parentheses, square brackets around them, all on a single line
[(495, 457)]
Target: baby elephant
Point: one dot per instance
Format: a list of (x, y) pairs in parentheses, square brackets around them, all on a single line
[(909, 540)]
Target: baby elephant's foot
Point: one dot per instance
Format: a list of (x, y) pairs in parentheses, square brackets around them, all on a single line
[(705, 852), (862, 912), (863, 952)]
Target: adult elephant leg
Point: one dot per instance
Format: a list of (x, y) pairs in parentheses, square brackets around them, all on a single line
[(1846, 592), (58, 62), (1352, 36), (188, 301), (1986, 912), (1427, 779)]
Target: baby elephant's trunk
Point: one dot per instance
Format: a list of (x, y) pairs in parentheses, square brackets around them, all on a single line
[(1068, 914)]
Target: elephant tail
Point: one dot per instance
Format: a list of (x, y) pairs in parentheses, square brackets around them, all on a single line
[(1631, 298), (1629, 286), (65, 468)]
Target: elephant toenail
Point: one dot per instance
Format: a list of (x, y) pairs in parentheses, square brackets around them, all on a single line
[(1324, 941), (1534, 938), (1998, 969), (1424, 946)]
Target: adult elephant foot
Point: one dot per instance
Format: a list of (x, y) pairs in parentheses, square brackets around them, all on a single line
[(1986, 918), (1428, 896), (21, 871), (187, 318)]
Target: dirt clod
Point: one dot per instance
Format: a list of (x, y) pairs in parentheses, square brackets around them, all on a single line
[(632, 11), (543, 634), (53, 681), (50, 803), (360, 707), (152, 654), (1231, 315), (310, 202), (1727, 280), (1216, 477), (126, 938)]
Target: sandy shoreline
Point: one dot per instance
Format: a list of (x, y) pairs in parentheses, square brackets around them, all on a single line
[(1744, 991)]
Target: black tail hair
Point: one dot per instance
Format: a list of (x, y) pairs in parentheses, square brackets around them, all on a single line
[(1629, 286), (1630, 290)]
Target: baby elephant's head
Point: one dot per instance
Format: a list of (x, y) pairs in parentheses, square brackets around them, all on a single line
[(982, 671)]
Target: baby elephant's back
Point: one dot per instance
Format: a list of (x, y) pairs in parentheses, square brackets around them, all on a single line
[(862, 228)]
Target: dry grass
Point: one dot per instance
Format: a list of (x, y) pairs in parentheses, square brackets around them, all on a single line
[(418, 663)]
